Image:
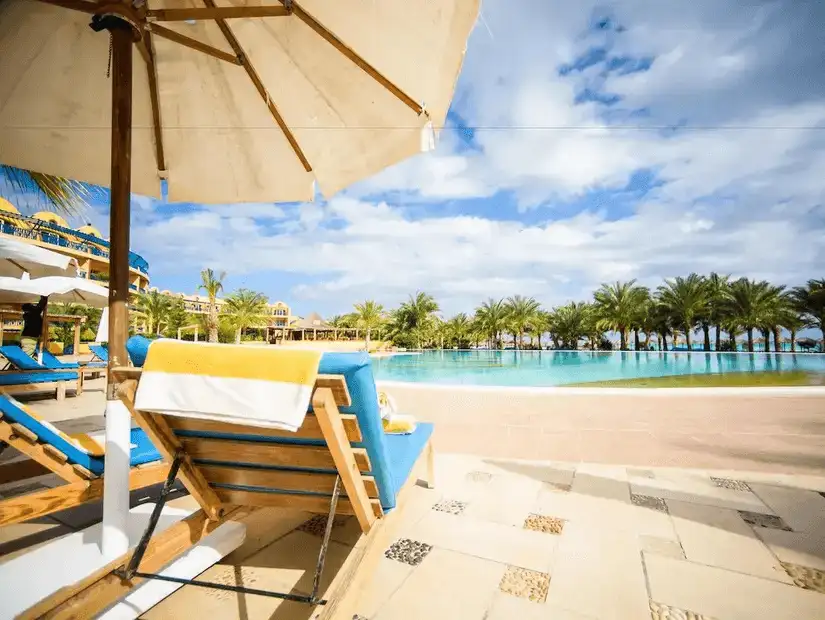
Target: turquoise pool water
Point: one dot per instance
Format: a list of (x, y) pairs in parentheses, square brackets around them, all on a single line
[(547, 368)]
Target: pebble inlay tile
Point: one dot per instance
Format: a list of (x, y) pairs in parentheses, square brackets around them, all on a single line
[(804, 577), (357, 617), (529, 584), (769, 521), (317, 524), (555, 487), (450, 506), (648, 501), (542, 523), (479, 477), (727, 483), (665, 612), (408, 551)]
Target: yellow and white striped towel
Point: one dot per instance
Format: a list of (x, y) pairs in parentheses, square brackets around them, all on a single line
[(258, 386)]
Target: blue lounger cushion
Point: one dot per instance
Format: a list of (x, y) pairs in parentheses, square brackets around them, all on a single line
[(24, 378), (51, 361), (391, 456), (23, 361), (99, 351), (142, 452)]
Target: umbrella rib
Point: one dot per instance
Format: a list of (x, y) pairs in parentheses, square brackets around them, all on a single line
[(171, 35), (177, 15), (145, 47), (256, 81), (347, 51), (76, 5)]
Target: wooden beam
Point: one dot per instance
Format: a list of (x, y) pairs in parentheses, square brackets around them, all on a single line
[(194, 44), (148, 52), (233, 12), (259, 86), (89, 596), (75, 5), (347, 51)]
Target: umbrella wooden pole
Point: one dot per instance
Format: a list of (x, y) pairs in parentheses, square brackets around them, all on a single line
[(115, 538)]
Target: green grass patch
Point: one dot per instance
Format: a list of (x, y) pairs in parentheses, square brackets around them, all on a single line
[(732, 379)]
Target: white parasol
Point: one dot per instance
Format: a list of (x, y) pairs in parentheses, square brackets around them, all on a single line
[(18, 258), (58, 289)]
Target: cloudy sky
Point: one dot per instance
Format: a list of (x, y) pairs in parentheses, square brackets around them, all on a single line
[(587, 142)]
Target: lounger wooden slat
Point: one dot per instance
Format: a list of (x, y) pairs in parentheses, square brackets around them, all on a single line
[(338, 385), (310, 429), (308, 503), (278, 479), (260, 453)]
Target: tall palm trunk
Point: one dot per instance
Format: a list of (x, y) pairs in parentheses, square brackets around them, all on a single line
[(706, 330), (213, 323), (750, 339), (238, 336), (687, 337), (367, 340), (732, 335), (766, 334), (622, 339), (777, 339), (793, 340), (636, 341), (718, 337)]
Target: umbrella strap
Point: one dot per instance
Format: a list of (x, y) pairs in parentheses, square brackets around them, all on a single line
[(131, 571)]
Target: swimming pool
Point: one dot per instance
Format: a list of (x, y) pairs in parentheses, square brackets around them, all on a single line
[(548, 368)]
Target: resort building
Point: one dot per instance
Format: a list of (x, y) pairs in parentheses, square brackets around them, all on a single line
[(86, 244), (279, 312)]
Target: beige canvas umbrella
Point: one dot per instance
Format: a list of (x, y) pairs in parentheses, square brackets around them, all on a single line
[(18, 258), (248, 101)]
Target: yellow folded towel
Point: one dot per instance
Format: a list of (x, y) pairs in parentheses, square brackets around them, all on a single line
[(258, 386), (394, 423)]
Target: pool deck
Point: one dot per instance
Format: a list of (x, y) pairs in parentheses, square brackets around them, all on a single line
[(547, 505)]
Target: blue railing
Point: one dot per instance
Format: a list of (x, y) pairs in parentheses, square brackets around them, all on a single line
[(45, 231)]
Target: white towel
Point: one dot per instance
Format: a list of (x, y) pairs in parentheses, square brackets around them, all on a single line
[(258, 386)]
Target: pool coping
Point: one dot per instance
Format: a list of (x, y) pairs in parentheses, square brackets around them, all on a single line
[(811, 391)]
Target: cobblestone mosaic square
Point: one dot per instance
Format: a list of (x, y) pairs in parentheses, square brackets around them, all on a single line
[(529, 584), (408, 551), (666, 612), (479, 477), (727, 483), (450, 506), (545, 524), (317, 524), (648, 501), (805, 577), (556, 487), (769, 521)]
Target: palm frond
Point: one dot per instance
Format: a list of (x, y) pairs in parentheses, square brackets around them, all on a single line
[(58, 194)]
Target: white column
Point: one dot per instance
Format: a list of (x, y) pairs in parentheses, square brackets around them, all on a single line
[(114, 536)]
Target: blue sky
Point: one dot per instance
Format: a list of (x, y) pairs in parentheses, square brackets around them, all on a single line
[(587, 142)]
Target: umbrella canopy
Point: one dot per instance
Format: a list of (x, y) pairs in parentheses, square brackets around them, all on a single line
[(253, 108), (19, 257), (57, 288)]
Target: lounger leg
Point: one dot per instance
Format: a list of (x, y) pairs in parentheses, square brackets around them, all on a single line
[(322, 556), (61, 390)]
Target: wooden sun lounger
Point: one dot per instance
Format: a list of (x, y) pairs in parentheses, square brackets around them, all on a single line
[(346, 491), (81, 485)]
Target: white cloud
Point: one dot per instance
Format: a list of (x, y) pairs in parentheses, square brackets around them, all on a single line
[(740, 191)]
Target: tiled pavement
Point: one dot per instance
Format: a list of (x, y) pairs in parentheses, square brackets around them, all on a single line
[(516, 540), (506, 540)]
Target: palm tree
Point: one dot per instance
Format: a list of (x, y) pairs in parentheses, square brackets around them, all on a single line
[(718, 290), (369, 315), (337, 322), (520, 312), (685, 299), (245, 309), (660, 323), (212, 284), (810, 301), (416, 317), (640, 317), (63, 195), (459, 330), (617, 305), (591, 326), (751, 304), (569, 324), (155, 308), (491, 317)]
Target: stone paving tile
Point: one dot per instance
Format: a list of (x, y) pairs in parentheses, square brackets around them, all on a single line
[(767, 521), (598, 573), (795, 547), (448, 585), (633, 472), (507, 499), (408, 551), (491, 541), (507, 607), (665, 612), (524, 583), (728, 483), (479, 477), (648, 501), (718, 537), (695, 489), (450, 506), (726, 594), (803, 510), (318, 523), (806, 577), (384, 582), (542, 523), (661, 546)]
